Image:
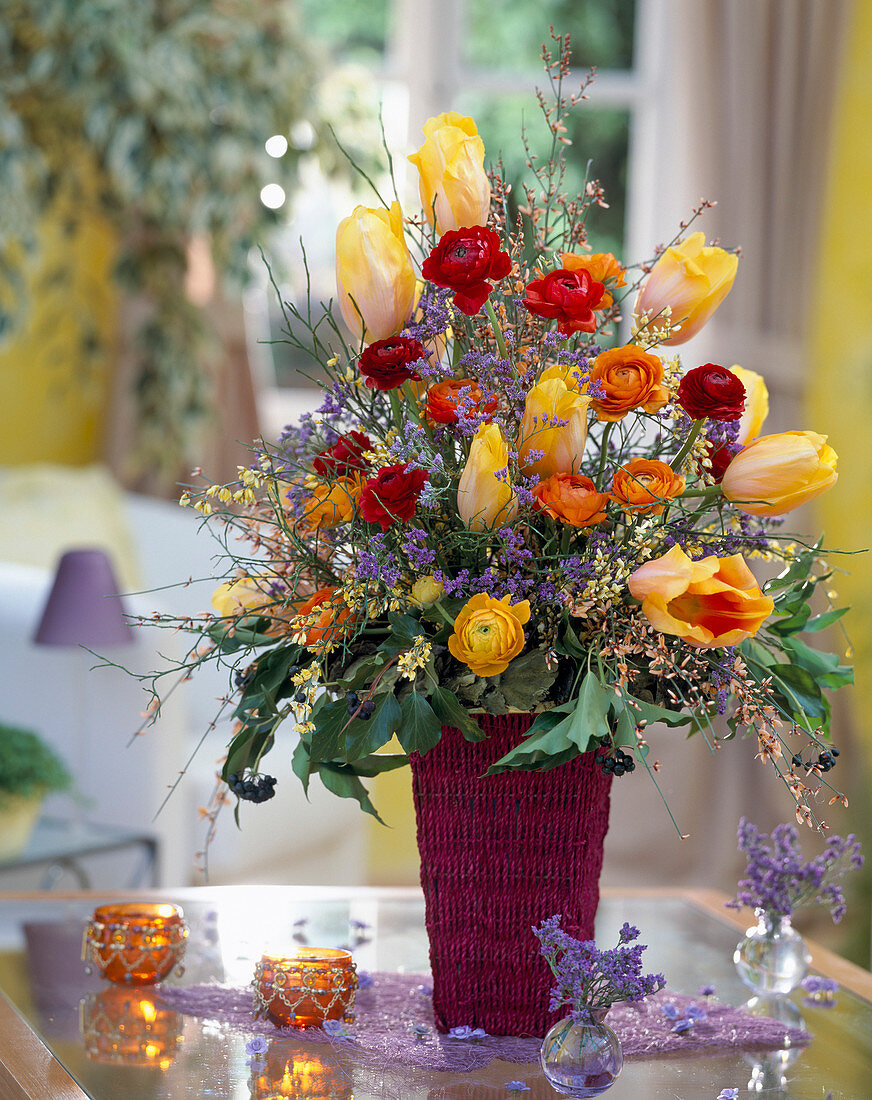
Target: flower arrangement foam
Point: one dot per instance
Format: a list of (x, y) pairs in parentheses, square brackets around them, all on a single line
[(501, 504)]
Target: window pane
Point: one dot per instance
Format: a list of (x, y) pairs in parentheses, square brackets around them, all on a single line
[(509, 35), (353, 30), (597, 134)]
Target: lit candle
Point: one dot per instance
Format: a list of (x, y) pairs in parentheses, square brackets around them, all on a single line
[(135, 943), (303, 989)]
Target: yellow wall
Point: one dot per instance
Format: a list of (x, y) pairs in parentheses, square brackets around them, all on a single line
[(55, 369)]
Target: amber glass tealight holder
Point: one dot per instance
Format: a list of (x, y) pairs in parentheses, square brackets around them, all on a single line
[(305, 988), (135, 943), (126, 1027)]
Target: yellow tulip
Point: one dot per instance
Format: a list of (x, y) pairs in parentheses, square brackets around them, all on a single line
[(453, 186), (548, 402), (485, 500), (692, 279), (708, 603), (375, 280), (777, 473), (756, 403), (244, 594)]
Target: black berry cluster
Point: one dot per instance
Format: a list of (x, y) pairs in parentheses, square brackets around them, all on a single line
[(254, 789), (243, 677), (362, 710), (616, 762), (825, 762)]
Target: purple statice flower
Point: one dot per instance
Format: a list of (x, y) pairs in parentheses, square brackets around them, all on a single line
[(517, 1086), (365, 980), (587, 977), (778, 880), (424, 990), (420, 1031), (706, 991), (335, 1029), (258, 1045), (728, 1094), (433, 318), (820, 992), (467, 1033)]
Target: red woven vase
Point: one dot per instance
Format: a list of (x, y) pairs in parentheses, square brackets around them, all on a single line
[(498, 855)]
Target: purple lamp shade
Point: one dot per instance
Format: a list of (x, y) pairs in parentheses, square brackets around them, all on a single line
[(83, 607)]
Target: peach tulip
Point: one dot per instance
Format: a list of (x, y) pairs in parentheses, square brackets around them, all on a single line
[(375, 280), (709, 603), (692, 279), (777, 473), (555, 421), (756, 403)]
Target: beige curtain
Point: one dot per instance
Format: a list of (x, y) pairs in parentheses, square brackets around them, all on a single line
[(748, 89)]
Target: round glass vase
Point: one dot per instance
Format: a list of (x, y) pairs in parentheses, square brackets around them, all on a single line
[(582, 1058), (772, 959)]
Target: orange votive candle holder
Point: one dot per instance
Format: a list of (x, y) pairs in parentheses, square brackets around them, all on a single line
[(307, 987), (126, 1027), (136, 943)]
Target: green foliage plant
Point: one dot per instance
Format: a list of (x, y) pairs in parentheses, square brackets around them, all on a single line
[(28, 766)]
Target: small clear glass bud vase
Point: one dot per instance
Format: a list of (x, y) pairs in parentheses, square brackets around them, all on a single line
[(772, 959), (583, 1057)]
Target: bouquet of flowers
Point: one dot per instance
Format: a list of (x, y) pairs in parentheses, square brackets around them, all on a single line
[(503, 505)]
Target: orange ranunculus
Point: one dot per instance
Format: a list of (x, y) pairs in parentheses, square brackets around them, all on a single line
[(572, 499), (444, 397), (489, 633), (630, 378), (709, 603), (243, 594), (777, 473), (555, 421), (756, 403), (485, 500), (600, 266), (375, 280), (453, 184), (323, 619), (692, 280), (330, 504), (645, 484)]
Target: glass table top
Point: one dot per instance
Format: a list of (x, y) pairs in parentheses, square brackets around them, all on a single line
[(42, 975)]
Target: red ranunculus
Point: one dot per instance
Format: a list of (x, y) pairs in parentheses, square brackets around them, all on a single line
[(720, 458), (463, 260), (444, 397), (391, 495), (345, 457), (387, 364), (711, 392), (569, 297)]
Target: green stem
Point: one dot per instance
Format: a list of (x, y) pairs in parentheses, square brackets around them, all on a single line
[(498, 332), (604, 450), (688, 443)]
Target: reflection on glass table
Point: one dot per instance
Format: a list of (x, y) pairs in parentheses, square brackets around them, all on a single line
[(119, 1044)]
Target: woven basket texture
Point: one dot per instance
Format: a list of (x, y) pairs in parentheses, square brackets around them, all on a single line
[(498, 855)]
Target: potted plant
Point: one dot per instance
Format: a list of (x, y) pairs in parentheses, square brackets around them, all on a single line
[(29, 770)]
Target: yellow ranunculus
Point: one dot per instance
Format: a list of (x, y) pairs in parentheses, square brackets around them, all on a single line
[(756, 403), (709, 603), (548, 402), (375, 280), (426, 590), (244, 594), (777, 473), (483, 499), (489, 633), (692, 279), (453, 184)]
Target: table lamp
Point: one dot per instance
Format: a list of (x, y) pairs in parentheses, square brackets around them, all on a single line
[(83, 610)]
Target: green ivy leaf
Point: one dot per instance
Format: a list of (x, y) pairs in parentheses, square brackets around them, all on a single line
[(365, 737), (345, 783), (821, 622), (328, 740), (451, 713), (527, 680), (404, 627), (377, 763), (301, 765), (420, 729)]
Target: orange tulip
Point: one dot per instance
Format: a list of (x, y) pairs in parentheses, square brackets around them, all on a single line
[(630, 379), (644, 485), (555, 421), (375, 280), (331, 504), (709, 603), (572, 499), (692, 280), (323, 619), (485, 500), (777, 473), (453, 185)]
